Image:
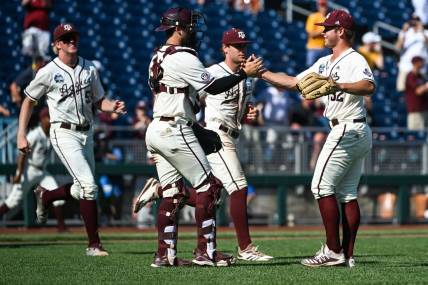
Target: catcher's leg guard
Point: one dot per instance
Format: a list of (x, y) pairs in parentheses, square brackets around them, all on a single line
[(173, 195), (205, 215)]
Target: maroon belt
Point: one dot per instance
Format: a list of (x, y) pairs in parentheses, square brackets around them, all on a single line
[(78, 128), (234, 134), (335, 122), (172, 90)]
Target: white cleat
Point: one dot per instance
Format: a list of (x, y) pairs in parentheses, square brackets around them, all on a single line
[(147, 194), (350, 262), (251, 253), (96, 251), (324, 257)]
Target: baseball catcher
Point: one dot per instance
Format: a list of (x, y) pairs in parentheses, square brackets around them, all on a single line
[(313, 86)]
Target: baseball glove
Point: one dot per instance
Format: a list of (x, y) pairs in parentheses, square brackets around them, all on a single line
[(209, 140), (313, 86)]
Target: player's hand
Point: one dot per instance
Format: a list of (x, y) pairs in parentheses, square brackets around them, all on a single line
[(23, 145), (119, 107), (252, 113), (16, 179), (253, 67)]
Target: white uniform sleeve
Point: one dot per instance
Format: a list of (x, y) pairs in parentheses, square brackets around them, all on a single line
[(194, 73), (362, 70), (313, 68), (39, 85), (97, 87)]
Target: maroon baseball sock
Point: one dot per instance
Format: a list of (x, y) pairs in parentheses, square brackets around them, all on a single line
[(59, 214), (350, 224), (61, 193), (205, 210), (4, 209), (166, 207), (191, 196), (89, 212), (238, 212), (331, 218)]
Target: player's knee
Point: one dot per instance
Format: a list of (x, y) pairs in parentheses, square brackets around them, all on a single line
[(320, 191), (346, 197), (88, 191)]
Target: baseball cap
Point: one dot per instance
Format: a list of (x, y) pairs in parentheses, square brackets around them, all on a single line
[(338, 18), (141, 104), (371, 37), (64, 29), (44, 113), (234, 36)]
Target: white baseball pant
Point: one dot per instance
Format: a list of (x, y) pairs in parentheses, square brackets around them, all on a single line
[(339, 165), (76, 151)]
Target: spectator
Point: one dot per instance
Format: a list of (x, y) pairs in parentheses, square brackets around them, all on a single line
[(372, 51), (421, 10), (36, 37), (23, 79), (416, 96), (20, 83), (141, 120), (252, 5), (412, 41), (315, 44), (4, 112)]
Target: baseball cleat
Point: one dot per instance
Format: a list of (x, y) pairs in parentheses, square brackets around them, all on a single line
[(324, 257), (220, 259), (42, 210), (96, 251), (147, 194), (251, 253), (163, 261), (350, 262)]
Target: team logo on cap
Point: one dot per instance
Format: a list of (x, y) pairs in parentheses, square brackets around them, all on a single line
[(67, 27), (58, 78), (241, 35)]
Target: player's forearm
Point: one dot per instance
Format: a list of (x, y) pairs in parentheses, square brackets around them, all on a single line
[(25, 115), (105, 105), (20, 164), (223, 84), (362, 87), (281, 80)]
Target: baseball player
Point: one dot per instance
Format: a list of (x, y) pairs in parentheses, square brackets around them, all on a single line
[(31, 170), (223, 114), (73, 90), (177, 77), (345, 78)]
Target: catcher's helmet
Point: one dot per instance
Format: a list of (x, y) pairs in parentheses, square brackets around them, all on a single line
[(179, 16)]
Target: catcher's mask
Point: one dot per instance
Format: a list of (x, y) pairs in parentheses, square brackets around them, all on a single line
[(190, 20)]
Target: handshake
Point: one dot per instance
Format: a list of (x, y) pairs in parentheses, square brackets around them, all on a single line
[(253, 66)]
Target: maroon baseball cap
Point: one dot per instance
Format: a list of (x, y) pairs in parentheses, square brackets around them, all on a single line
[(64, 29), (338, 18), (234, 36)]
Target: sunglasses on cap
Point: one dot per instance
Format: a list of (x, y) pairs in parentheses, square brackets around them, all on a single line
[(68, 38), (329, 28)]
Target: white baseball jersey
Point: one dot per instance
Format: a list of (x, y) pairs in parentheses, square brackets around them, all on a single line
[(180, 70), (227, 107), (40, 147), (71, 92), (349, 67)]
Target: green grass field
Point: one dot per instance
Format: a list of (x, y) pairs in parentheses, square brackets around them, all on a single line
[(387, 256)]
